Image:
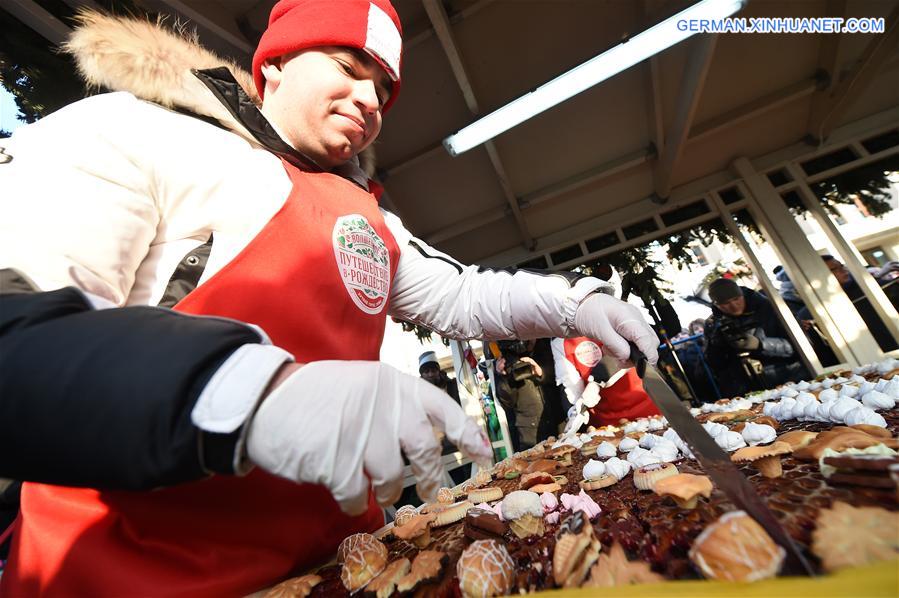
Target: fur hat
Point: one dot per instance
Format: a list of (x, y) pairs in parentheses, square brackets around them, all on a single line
[(724, 289), (370, 25)]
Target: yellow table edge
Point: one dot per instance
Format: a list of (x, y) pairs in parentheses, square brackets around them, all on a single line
[(880, 580), (872, 581)]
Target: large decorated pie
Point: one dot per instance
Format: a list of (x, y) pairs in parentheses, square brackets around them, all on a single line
[(625, 505)]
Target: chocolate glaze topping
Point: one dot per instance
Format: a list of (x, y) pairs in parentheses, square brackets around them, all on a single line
[(649, 527), (572, 524), (481, 524)]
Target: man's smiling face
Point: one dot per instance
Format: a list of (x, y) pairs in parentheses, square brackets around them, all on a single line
[(326, 101)]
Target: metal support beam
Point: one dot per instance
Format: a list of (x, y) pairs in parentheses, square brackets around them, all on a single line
[(828, 109), (821, 292), (447, 41), (691, 90), (851, 256), (792, 326), (714, 125), (417, 38), (866, 127), (754, 108), (751, 109), (526, 237), (38, 19), (544, 194), (460, 227), (581, 179), (829, 48), (414, 159), (654, 102), (654, 87), (442, 28)]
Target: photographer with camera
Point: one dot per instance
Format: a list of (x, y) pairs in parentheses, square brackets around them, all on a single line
[(520, 391), (746, 344)]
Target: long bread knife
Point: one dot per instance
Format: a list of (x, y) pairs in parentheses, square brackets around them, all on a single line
[(717, 463)]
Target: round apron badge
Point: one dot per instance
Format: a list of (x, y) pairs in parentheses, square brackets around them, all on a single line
[(363, 262), (588, 353)]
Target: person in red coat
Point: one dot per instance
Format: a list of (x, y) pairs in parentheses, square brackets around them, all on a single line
[(580, 369)]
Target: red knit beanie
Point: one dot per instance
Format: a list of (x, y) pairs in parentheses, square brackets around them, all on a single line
[(370, 25)]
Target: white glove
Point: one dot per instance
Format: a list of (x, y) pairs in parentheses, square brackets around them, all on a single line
[(590, 397), (336, 422), (577, 417), (578, 422), (614, 322)]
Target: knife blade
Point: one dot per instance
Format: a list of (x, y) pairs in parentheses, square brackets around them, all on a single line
[(717, 463)]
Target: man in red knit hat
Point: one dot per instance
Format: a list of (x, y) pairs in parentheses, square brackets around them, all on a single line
[(253, 404)]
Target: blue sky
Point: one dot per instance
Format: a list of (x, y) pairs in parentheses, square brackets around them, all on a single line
[(8, 112)]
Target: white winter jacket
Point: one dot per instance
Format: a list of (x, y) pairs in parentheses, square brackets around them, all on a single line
[(112, 193)]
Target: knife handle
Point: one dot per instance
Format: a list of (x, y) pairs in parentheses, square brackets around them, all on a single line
[(638, 359)]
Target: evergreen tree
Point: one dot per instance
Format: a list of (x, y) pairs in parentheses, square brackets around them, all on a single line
[(40, 78)]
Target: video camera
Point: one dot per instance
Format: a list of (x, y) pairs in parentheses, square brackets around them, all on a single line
[(733, 329), (513, 351)]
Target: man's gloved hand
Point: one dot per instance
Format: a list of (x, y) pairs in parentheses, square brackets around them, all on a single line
[(745, 342), (614, 323), (590, 396), (341, 423)]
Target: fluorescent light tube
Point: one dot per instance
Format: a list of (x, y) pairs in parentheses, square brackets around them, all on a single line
[(599, 68)]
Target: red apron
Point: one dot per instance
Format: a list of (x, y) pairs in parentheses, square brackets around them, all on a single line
[(316, 279), (625, 399)]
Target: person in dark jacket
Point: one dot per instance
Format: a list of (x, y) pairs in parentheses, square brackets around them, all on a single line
[(520, 389), (855, 293), (746, 345), (555, 405)]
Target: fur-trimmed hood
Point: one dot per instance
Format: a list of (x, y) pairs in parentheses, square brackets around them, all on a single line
[(154, 63)]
